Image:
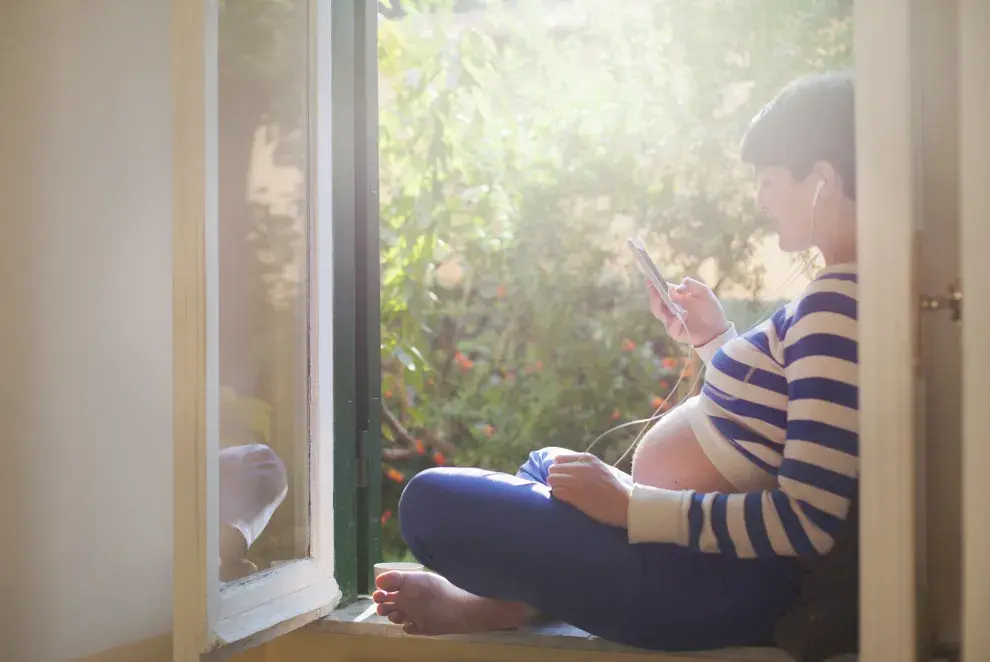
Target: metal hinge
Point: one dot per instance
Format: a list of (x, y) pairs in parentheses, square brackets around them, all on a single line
[(952, 301), (362, 459)]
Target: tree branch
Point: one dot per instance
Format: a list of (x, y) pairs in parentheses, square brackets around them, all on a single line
[(402, 435), (406, 439), (443, 446), (397, 454)]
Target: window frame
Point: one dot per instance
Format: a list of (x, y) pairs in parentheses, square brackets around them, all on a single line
[(209, 616), (889, 157), (884, 35), (357, 295), (350, 42)]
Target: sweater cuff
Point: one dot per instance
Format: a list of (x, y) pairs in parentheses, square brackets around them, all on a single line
[(658, 515), (708, 350)]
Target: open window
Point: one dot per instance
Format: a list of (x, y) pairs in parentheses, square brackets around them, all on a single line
[(275, 315)]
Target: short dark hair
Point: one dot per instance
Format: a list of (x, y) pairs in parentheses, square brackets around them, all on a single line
[(812, 119)]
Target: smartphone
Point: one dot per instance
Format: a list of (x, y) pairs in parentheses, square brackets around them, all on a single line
[(649, 268)]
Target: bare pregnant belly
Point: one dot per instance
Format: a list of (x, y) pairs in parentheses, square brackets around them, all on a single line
[(669, 456)]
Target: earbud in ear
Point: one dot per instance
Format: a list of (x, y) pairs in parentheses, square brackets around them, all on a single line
[(818, 191)]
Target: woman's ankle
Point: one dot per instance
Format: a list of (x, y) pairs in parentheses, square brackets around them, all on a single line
[(499, 614)]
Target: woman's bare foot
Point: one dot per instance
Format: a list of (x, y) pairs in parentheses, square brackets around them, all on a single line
[(427, 604)]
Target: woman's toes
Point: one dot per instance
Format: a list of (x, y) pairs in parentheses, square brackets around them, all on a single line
[(398, 617), (390, 581), (381, 596), (410, 628), (385, 609)]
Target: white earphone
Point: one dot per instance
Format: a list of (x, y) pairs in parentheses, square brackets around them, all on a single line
[(818, 191)]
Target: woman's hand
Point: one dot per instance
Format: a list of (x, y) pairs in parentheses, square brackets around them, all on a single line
[(588, 484), (702, 312)]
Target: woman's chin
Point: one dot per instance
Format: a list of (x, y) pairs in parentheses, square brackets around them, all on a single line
[(790, 245)]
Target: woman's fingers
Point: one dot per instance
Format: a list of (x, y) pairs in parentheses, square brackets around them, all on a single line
[(692, 287), (666, 316), (565, 476), (676, 327), (560, 486), (557, 484), (684, 299), (681, 296), (564, 458), (562, 481)]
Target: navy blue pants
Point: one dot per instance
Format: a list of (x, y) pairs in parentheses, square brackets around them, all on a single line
[(505, 537)]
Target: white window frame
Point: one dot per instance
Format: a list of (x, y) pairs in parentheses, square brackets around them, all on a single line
[(209, 615), (890, 155)]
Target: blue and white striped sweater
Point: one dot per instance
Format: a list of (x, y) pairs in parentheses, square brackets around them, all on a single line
[(778, 415)]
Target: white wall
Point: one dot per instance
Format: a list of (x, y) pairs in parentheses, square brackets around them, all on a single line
[(85, 326)]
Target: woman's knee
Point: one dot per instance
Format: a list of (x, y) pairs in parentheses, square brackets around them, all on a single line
[(424, 504), (446, 504)]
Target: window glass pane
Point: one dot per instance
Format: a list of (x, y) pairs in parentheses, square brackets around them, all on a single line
[(264, 246)]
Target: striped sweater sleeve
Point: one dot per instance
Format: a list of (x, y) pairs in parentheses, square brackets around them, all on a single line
[(818, 473)]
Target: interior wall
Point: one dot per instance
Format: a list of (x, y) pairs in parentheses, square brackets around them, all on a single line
[(974, 124), (85, 343)]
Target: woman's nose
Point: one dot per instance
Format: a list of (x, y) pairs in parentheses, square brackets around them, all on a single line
[(761, 206)]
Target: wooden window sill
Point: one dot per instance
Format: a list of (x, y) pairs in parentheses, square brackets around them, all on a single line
[(359, 618)]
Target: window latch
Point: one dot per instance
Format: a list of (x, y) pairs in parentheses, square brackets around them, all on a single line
[(952, 301)]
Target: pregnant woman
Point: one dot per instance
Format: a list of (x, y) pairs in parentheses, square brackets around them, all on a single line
[(698, 547)]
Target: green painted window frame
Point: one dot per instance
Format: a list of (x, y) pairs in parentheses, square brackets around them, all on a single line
[(356, 296)]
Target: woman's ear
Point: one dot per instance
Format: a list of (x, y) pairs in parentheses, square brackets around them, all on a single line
[(824, 173)]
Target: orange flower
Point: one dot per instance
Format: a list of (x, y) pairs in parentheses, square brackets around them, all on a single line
[(439, 458), (395, 475), (664, 383), (657, 402), (489, 430), (388, 394), (386, 516), (464, 362), (500, 291), (420, 447), (628, 345), (616, 414), (669, 363), (530, 369)]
